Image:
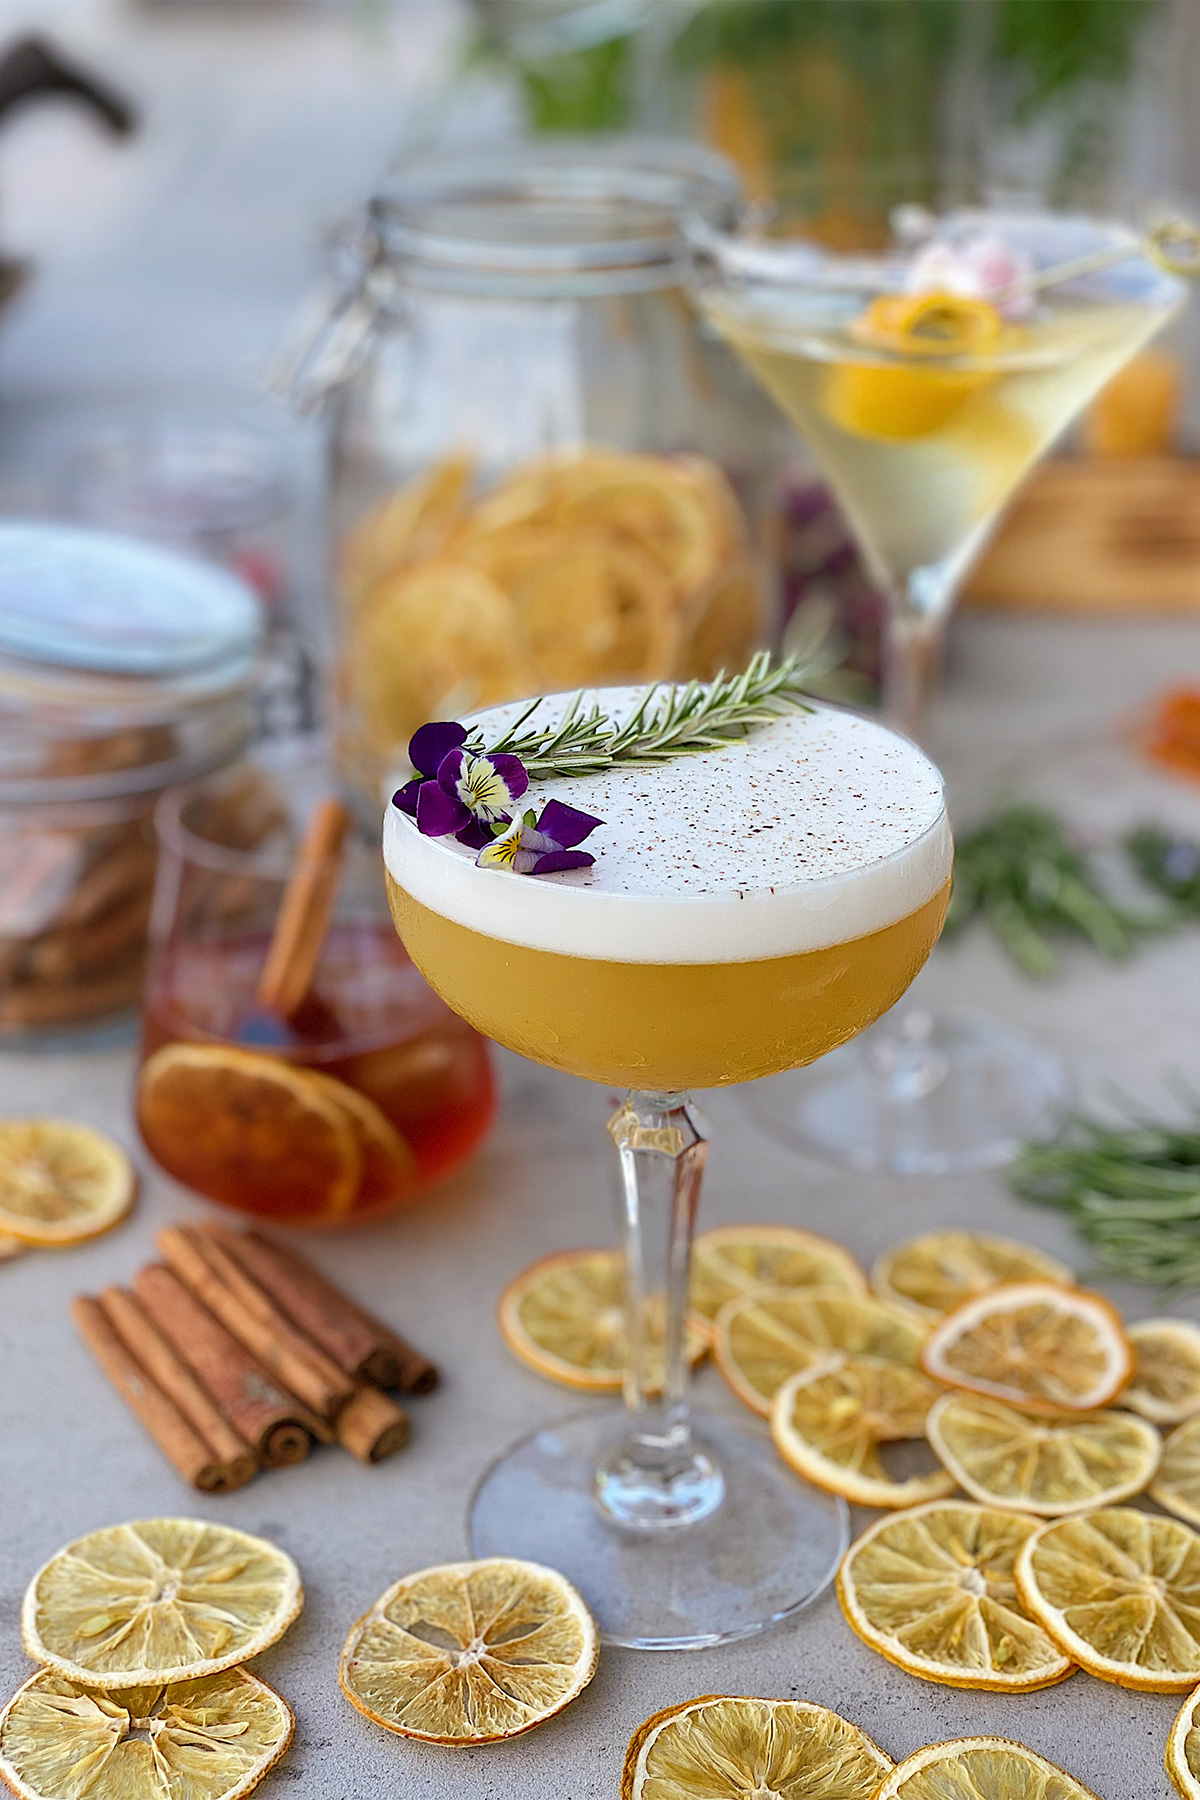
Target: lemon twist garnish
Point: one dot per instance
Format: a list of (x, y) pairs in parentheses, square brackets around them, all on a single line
[(932, 324)]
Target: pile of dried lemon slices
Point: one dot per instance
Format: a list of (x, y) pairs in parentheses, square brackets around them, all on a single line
[(141, 1631)]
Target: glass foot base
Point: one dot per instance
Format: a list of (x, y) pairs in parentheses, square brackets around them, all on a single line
[(920, 1094), (770, 1546)]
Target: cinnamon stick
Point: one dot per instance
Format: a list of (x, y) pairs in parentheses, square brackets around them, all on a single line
[(146, 1344), (167, 1426), (304, 912), (253, 1318), (358, 1343), (372, 1426), (273, 1422)]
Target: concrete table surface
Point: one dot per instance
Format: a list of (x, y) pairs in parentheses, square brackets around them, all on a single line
[(74, 1459)]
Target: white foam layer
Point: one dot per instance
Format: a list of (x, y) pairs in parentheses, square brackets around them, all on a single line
[(814, 830)]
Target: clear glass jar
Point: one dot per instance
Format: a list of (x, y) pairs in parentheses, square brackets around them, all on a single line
[(547, 472), (123, 669)]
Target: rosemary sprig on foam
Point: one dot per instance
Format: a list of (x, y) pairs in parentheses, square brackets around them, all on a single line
[(667, 722)]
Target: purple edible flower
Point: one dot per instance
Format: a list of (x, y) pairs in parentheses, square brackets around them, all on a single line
[(456, 790), (544, 846)]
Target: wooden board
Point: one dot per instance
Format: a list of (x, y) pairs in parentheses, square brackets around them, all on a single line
[(1098, 536)]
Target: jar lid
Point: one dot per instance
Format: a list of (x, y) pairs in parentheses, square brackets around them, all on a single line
[(88, 600)]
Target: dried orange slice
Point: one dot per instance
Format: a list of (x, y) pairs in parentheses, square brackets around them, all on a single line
[(212, 1739), (61, 1182), (933, 1590), (730, 1260), (564, 1317), (1166, 1370), (731, 1748), (235, 1123), (829, 1421), (1035, 1344), (759, 1340), (1183, 1748), (158, 1600), (520, 1645), (1032, 1464), (389, 1167), (1119, 1592), (407, 526), (1177, 1484), (931, 1274), (980, 1768)]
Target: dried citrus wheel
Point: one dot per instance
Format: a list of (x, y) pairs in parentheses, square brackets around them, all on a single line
[(1177, 1484), (980, 1768), (1051, 1466), (735, 1259), (10, 1247), (592, 609), (1119, 1592), (1034, 1344), (932, 1589), (723, 628), (61, 1182), (388, 1165), (761, 1339), (158, 1600), (719, 1748), (1166, 1370), (829, 1421), (520, 1645), (212, 1739), (406, 526), (1183, 1749), (564, 1317), (238, 1125), (931, 1274), (650, 504)]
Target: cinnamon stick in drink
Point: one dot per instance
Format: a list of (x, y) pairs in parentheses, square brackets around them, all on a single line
[(252, 1317), (172, 1433), (358, 1343), (277, 1426), (372, 1426), (146, 1344)]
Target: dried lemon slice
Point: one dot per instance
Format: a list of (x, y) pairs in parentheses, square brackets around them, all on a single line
[(405, 527), (60, 1182), (761, 1339), (651, 505), (11, 1247), (1183, 1749), (1034, 1344), (212, 1739), (719, 1748), (1119, 1592), (931, 1274), (932, 1589), (829, 1421), (980, 1768), (736, 1259), (1166, 1370), (1051, 1466), (521, 1645), (594, 610), (564, 1317), (235, 1123), (1177, 1484), (724, 627), (158, 1600)]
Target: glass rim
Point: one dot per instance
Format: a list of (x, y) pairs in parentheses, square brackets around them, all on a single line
[(300, 755)]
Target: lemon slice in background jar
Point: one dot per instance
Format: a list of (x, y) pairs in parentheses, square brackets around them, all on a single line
[(719, 1748), (60, 1182), (930, 1275), (1049, 1466)]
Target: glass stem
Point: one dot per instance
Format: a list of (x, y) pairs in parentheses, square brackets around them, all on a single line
[(657, 1477), (912, 660)]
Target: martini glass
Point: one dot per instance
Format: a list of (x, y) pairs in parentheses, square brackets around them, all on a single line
[(924, 438), (750, 907)]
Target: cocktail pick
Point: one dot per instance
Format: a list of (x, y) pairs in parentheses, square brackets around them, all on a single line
[(304, 915), (1173, 243)]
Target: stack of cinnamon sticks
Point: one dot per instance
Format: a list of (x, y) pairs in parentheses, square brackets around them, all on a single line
[(236, 1355)]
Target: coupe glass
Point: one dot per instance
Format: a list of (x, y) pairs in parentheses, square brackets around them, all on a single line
[(678, 1535), (923, 446)]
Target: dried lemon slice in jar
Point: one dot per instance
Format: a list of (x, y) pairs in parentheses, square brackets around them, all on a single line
[(930, 1275), (1051, 1466), (719, 1748), (762, 1339), (1183, 1749), (1035, 1344), (592, 610), (1166, 1372), (932, 1589), (158, 1600), (407, 526), (828, 1423), (520, 1646), (1119, 1591), (212, 1739), (724, 627), (648, 503), (735, 1259), (564, 1317), (980, 1768), (60, 1182)]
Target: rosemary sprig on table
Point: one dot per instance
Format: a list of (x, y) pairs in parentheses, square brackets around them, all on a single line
[(668, 721), (1133, 1193)]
